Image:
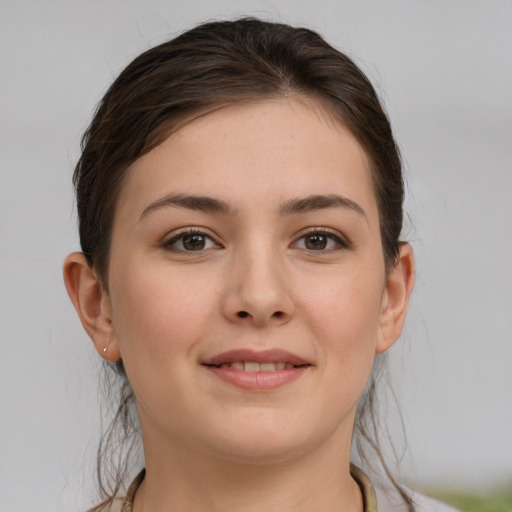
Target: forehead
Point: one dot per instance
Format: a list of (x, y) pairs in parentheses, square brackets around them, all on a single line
[(254, 151)]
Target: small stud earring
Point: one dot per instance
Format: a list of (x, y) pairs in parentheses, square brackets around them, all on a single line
[(104, 349)]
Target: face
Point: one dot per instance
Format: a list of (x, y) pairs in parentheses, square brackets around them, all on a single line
[(247, 288)]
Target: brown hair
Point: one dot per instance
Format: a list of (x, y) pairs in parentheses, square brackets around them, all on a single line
[(203, 69)]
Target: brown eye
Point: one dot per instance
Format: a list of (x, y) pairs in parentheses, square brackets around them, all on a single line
[(316, 242), (194, 242), (321, 241)]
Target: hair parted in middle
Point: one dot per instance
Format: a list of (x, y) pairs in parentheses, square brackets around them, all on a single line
[(212, 66), (209, 67)]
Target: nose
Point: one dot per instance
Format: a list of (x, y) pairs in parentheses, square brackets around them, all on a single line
[(256, 292)]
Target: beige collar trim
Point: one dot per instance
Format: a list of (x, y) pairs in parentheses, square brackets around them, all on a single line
[(367, 490)]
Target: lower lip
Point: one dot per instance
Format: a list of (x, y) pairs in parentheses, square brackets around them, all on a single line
[(257, 381)]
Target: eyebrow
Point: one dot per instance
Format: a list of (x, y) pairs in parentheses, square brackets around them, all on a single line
[(191, 202), (319, 202), (289, 207)]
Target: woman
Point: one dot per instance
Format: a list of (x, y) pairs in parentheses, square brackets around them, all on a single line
[(240, 204)]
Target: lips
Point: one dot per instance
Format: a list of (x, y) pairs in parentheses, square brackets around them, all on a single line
[(257, 370), (259, 357), (253, 366)]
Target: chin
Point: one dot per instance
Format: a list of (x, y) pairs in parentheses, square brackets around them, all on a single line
[(260, 452), (263, 443)]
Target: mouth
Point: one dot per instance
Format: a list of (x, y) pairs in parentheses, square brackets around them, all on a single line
[(253, 366), (257, 370)]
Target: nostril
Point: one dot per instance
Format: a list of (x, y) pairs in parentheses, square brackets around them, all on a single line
[(245, 314)]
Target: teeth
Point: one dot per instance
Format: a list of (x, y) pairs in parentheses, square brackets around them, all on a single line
[(268, 367), (250, 366), (253, 367)]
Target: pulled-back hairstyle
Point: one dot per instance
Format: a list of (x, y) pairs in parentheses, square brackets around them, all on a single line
[(206, 68)]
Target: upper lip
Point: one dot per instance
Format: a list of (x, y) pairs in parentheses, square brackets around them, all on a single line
[(256, 356)]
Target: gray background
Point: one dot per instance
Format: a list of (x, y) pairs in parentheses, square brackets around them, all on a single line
[(444, 69)]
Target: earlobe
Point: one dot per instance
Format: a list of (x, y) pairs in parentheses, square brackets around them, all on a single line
[(399, 284), (92, 305)]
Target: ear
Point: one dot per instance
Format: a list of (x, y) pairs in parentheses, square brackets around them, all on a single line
[(395, 299), (92, 304)]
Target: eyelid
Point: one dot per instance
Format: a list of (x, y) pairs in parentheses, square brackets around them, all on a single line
[(175, 236), (342, 241)]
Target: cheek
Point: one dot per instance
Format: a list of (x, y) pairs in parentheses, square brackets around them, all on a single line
[(158, 314), (344, 316), (160, 319), (346, 302)]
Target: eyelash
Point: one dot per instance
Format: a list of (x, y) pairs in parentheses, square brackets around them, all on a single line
[(340, 243), (170, 244)]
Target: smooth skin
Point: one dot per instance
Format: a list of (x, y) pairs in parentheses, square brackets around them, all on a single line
[(265, 265)]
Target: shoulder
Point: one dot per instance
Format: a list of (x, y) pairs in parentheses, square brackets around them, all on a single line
[(426, 504), (391, 502), (115, 506)]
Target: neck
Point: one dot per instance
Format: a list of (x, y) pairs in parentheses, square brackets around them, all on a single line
[(183, 479)]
